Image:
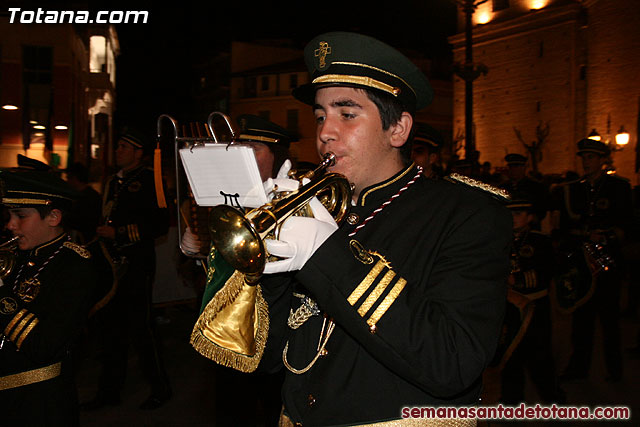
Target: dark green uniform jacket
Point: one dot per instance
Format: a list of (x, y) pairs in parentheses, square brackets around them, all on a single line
[(417, 296), (40, 324)]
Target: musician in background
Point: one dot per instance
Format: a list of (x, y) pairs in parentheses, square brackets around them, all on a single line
[(596, 210), (44, 302), (133, 220), (518, 181), (271, 144), (425, 150), (402, 304), (532, 267)]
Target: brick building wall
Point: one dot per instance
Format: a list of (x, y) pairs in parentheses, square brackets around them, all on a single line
[(613, 74), (570, 65)]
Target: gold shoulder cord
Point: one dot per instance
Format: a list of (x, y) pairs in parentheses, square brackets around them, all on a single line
[(322, 343)]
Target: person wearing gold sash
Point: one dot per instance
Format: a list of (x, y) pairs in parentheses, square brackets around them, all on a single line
[(46, 292), (400, 305)]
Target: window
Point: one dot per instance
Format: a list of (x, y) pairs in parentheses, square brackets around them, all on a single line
[(293, 81), (37, 75), (37, 64), (250, 87), (265, 83), (98, 54)]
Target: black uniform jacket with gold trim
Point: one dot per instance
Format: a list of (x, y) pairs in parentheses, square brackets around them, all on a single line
[(134, 211), (418, 310), (607, 205), (40, 325)]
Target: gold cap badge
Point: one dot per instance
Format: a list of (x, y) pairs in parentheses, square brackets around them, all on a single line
[(322, 53)]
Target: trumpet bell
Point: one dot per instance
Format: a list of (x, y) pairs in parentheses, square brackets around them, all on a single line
[(7, 262), (239, 238), (8, 256), (236, 239)]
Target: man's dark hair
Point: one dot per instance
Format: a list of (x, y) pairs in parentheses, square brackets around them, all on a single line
[(391, 110)]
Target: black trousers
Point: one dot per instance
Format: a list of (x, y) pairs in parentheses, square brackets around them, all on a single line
[(605, 305), (533, 355), (127, 321)]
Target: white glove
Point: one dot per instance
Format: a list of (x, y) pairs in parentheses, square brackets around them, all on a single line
[(300, 237), (282, 182), (190, 242)]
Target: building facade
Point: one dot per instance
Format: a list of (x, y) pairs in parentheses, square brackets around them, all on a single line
[(57, 93), (557, 69)]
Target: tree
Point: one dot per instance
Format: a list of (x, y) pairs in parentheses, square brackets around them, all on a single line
[(535, 148)]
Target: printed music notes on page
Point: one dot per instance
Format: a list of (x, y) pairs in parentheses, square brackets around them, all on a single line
[(223, 174)]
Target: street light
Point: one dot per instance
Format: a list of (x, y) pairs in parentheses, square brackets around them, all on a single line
[(622, 137), (594, 135), (468, 71)]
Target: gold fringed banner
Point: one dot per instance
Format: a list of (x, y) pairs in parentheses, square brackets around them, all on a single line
[(232, 329)]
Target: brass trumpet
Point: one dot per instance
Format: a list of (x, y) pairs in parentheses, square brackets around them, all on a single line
[(8, 256), (239, 238)]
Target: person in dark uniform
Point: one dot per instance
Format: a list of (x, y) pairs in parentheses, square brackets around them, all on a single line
[(261, 401), (518, 181), (595, 214), (529, 347), (402, 304), (425, 150), (133, 219), (44, 301)]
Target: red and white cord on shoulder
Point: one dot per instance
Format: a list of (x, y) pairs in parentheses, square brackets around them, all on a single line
[(386, 203)]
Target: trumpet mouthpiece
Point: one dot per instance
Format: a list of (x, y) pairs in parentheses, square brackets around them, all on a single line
[(329, 159)]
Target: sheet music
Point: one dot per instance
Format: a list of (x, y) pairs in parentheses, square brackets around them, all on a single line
[(221, 174)]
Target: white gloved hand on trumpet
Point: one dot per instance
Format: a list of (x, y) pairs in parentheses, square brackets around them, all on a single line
[(190, 242), (281, 182), (300, 237)]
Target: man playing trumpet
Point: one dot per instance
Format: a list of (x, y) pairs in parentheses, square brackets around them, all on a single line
[(401, 305)]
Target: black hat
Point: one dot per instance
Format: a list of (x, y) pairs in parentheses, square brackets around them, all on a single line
[(515, 159), (136, 138), (356, 60), (429, 136), (30, 188), (588, 145), (256, 129)]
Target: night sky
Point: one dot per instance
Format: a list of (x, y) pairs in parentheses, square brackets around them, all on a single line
[(155, 67)]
